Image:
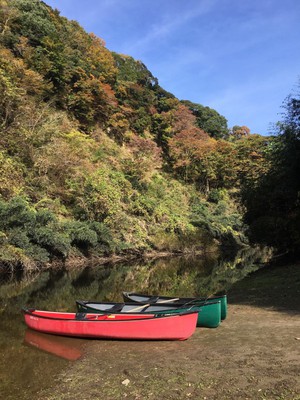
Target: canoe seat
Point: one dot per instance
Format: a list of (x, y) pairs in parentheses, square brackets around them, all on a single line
[(80, 315), (152, 299), (115, 308)]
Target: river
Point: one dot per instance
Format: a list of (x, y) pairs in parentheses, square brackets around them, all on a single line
[(31, 361)]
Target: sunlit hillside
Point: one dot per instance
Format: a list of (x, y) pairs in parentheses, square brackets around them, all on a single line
[(96, 158)]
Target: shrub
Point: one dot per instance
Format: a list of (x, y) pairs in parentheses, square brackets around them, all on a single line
[(81, 235), (216, 195), (35, 232)]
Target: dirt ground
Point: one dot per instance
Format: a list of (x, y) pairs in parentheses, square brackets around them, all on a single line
[(254, 354)]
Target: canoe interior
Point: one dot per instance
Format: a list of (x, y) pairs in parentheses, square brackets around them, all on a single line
[(180, 301), (144, 298), (133, 307), (209, 315)]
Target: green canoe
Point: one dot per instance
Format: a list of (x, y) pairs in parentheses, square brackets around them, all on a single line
[(209, 314)]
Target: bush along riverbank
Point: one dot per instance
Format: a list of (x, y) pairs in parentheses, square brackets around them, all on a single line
[(36, 237)]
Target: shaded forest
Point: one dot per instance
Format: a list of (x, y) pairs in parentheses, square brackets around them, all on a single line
[(97, 159)]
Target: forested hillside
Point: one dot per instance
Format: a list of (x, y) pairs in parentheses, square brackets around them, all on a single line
[(96, 158)]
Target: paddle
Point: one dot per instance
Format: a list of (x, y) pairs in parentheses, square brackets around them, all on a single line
[(147, 305), (138, 308)]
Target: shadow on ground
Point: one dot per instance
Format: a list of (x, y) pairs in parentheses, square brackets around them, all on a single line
[(275, 286)]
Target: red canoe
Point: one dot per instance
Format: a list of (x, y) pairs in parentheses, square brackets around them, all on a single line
[(113, 326)]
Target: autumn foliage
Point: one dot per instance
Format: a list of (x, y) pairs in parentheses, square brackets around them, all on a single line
[(90, 138)]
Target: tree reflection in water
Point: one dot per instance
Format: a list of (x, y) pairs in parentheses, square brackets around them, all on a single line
[(180, 276)]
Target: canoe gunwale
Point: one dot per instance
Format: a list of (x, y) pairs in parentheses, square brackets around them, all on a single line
[(79, 319)]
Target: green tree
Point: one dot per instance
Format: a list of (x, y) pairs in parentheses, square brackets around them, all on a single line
[(208, 120), (273, 206)]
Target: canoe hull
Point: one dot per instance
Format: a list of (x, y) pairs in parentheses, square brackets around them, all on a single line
[(177, 327), (144, 298)]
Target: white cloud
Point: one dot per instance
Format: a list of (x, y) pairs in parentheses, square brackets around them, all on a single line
[(169, 24)]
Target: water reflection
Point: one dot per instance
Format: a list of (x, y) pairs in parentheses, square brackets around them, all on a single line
[(67, 348), (57, 290)]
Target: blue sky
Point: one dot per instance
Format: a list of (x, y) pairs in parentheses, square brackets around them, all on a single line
[(240, 57)]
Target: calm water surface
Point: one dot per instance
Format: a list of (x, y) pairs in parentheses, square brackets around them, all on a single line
[(30, 361)]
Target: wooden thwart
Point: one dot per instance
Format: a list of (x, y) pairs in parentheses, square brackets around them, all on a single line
[(167, 301)]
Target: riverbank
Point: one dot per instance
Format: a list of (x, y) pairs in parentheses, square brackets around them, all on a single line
[(253, 355), (81, 262)]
